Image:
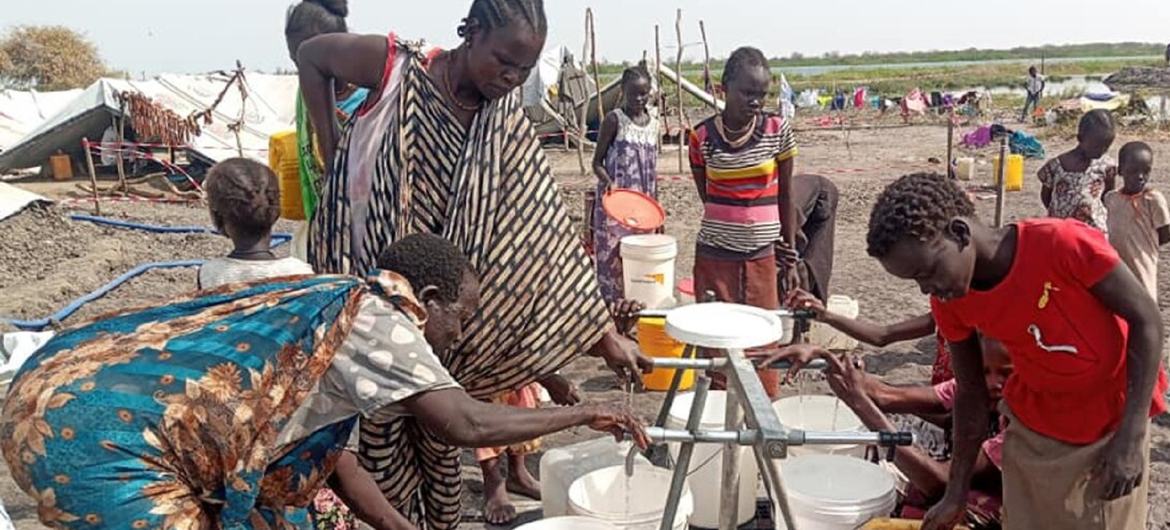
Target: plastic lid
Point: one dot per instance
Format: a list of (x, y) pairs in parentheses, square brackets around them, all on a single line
[(724, 326), (634, 209), (836, 480)]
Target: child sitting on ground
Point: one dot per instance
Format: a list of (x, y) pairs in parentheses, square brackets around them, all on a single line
[(1139, 222), (871, 400), (244, 199), (1074, 183), (1085, 339)]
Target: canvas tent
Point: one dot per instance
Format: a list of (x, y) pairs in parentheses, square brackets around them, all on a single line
[(21, 111), (269, 107)]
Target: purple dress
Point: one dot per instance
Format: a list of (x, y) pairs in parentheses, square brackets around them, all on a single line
[(631, 163)]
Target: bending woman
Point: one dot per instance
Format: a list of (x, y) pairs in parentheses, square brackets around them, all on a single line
[(229, 408), (442, 146)]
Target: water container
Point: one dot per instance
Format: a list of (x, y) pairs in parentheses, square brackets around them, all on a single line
[(826, 336), (965, 168), (629, 503), (653, 341), (648, 268), (567, 523), (821, 414), (829, 492), (62, 166), (706, 469), (1014, 174), (561, 466), (284, 160)]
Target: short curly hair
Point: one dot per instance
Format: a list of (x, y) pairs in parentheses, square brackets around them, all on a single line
[(915, 206), (428, 259), (243, 193)]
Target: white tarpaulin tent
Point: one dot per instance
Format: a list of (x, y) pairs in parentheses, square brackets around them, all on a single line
[(21, 111), (14, 199), (270, 107)]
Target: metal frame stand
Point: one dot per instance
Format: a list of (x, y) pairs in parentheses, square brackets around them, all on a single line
[(762, 430)]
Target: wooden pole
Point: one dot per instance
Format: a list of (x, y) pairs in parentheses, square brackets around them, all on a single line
[(682, 119), (661, 91), (708, 84), (593, 60), (119, 126), (950, 144), (999, 181), (97, 209), (583, 114)]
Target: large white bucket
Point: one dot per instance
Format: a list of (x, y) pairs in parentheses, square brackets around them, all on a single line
[(706, 468), (568, 523), (648, 269), (822, 414), (629, 503), (830, 492), (561, 466)]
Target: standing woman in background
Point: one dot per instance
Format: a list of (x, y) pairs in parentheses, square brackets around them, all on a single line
[(304, 21), (442, 146), (626, 158)]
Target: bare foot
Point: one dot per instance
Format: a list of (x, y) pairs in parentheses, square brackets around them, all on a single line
[(520, 481), (497, 507)]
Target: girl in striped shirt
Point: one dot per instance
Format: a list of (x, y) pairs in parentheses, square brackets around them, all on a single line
[(742, 162)]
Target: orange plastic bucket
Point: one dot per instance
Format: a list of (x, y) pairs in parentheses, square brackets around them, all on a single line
[(654, 341)]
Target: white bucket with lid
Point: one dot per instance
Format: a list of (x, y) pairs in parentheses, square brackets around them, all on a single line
[(561, 466), (821, 414), (648, 269), (629, 503), (831, 492), (706, 468), (568, 522)]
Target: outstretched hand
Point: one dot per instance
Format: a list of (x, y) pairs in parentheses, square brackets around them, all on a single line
[(800, 299), (619, 420), (847, 377), (797, 354), (622, 356), (625, 315), (562, 391)]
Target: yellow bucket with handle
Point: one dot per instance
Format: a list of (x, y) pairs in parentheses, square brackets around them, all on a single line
[(654, 342)]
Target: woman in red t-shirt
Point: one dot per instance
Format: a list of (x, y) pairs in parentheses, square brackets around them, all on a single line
[(1085, 338)]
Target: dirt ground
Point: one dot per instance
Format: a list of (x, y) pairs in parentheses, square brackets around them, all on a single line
[(47, 260)]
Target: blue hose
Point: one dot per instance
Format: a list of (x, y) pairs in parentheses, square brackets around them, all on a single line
[(65, 312), (40, 324), (278, 238)]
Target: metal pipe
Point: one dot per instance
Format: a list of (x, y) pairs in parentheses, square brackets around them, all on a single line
[(729, 493), (720, 363), (678, 480), (782, 313), (675, 383), (794, 437), (774, 483)]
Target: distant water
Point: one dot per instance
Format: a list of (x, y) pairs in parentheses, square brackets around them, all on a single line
[(814, 70)]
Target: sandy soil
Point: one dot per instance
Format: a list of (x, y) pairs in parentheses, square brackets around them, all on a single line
[(46, 260)]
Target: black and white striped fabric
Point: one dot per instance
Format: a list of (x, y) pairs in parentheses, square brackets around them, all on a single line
[(490, 190)]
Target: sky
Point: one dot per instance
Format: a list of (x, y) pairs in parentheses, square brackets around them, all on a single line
[(191, 36)]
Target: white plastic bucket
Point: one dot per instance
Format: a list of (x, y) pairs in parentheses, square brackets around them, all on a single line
[(568, 522), (826, 336), (830, 492), (629, 503), (561, 466), (648, 269), (965, 168), (706, 468), (822, 414)]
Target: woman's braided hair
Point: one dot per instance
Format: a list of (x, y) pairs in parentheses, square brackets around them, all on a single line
[(635, 73), (243, 193), (492, 14), (427, 259), (917, 206)]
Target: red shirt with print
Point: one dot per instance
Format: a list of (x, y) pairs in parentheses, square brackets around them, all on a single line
[(1069, 350)]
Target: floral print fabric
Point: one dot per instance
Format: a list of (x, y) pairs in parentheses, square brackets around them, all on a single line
[(168, 417), (1077, 195)]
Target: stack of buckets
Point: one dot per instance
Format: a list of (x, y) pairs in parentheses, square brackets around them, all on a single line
[(648, 269)]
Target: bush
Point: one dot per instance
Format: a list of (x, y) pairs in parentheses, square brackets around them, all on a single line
[(48, 58)]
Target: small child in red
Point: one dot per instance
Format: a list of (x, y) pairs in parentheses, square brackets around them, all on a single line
[(1084, 336)]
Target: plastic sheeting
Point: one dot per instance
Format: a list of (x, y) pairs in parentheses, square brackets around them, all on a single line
[(270, 106), (14, 199), (22, 111)]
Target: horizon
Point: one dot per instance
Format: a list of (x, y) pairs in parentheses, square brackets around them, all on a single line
[(252, 31)]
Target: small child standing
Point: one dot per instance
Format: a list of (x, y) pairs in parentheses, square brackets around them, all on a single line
[(244, 200), (626, 158), (1139, 221), (1075, 182)]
